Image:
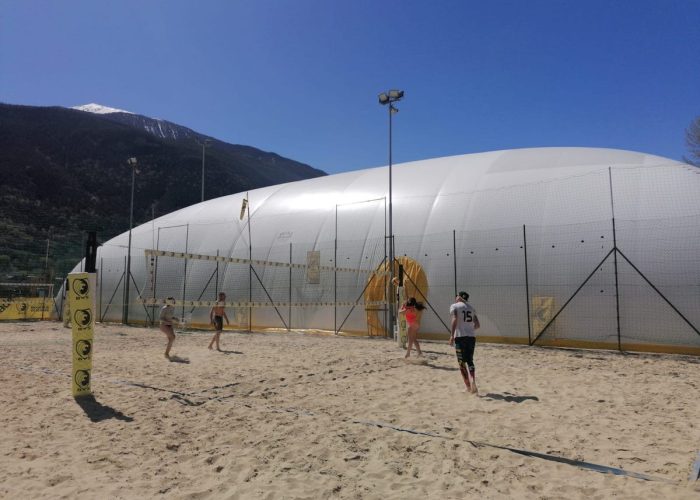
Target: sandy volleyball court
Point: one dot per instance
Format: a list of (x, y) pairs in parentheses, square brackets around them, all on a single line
[(295, 416)]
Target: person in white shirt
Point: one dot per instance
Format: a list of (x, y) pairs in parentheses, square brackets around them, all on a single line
[(463, 337)]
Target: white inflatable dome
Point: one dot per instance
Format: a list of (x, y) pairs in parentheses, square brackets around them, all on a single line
[(529, 233)]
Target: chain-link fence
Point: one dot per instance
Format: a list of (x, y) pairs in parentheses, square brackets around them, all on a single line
[(628, 280), (581, 285)]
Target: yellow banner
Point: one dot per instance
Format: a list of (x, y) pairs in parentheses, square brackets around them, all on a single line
[(82, 320), (26, 308)]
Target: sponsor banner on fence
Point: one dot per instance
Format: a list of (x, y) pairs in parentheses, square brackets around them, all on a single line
[(82, 319), (26, 308), (313, 270), (542, 312)]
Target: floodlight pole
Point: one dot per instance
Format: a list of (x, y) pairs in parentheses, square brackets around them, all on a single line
[(250, 267), (390, 98), (392, 320), (125, 313)]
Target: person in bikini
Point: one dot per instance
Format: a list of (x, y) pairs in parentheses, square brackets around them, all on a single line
[(411, 309), (216, 317)]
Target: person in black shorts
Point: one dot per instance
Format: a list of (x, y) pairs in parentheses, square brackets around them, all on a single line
[(464, 326), (216, 317)]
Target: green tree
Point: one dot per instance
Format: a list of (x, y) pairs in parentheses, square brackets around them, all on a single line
[(692, 140)]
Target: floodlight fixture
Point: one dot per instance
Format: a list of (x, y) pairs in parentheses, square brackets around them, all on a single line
[(390, 97)]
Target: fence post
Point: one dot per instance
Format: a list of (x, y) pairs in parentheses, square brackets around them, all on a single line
[(216, 285), (290, 287), (63, 297), (454, 257), (124, 290), (155, 278), (617, 289), (99, 315), (184, 277), (155, 286), (387, 333), (335, 286), (527, 291)]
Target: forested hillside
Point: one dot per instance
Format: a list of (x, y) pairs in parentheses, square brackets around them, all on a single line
[(64, 172)]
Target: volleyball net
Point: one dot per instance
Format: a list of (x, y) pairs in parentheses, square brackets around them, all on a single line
[(307, 291)]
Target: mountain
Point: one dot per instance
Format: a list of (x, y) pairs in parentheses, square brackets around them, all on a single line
[(64, 171)]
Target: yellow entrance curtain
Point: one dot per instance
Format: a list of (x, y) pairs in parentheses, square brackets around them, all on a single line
[(379, 290)]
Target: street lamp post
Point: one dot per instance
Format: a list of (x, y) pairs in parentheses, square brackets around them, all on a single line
[(125, 312), (204, 145), (390, 98)]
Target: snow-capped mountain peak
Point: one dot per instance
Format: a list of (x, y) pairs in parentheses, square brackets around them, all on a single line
[(99, 109), (160, 128)]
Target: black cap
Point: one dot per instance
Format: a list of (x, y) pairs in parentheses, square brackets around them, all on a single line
[(464, 295)]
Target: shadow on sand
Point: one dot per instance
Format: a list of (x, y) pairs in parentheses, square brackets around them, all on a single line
[(510, 398), (97, 412), (178, 359), (445, 368)]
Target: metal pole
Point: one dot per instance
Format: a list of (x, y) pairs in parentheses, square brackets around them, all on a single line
[(82, 245), (250, 269), (153, 260), (46, 261), (125, 315), (386, 259), (392, 319), (454, 257), (216, 286), (527, 291), (203, 154), (155, 279), (184, 278), (617, 290), (124, 288), (290, 287), (99, 314), (335, 275)]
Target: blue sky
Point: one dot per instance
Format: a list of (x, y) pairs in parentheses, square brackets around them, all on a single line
[(301, 77)]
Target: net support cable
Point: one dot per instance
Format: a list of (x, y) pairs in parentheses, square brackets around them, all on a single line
[(687, 321), (357, 301), (269, 297), (615, 251), (109, 302), (572, 297)]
